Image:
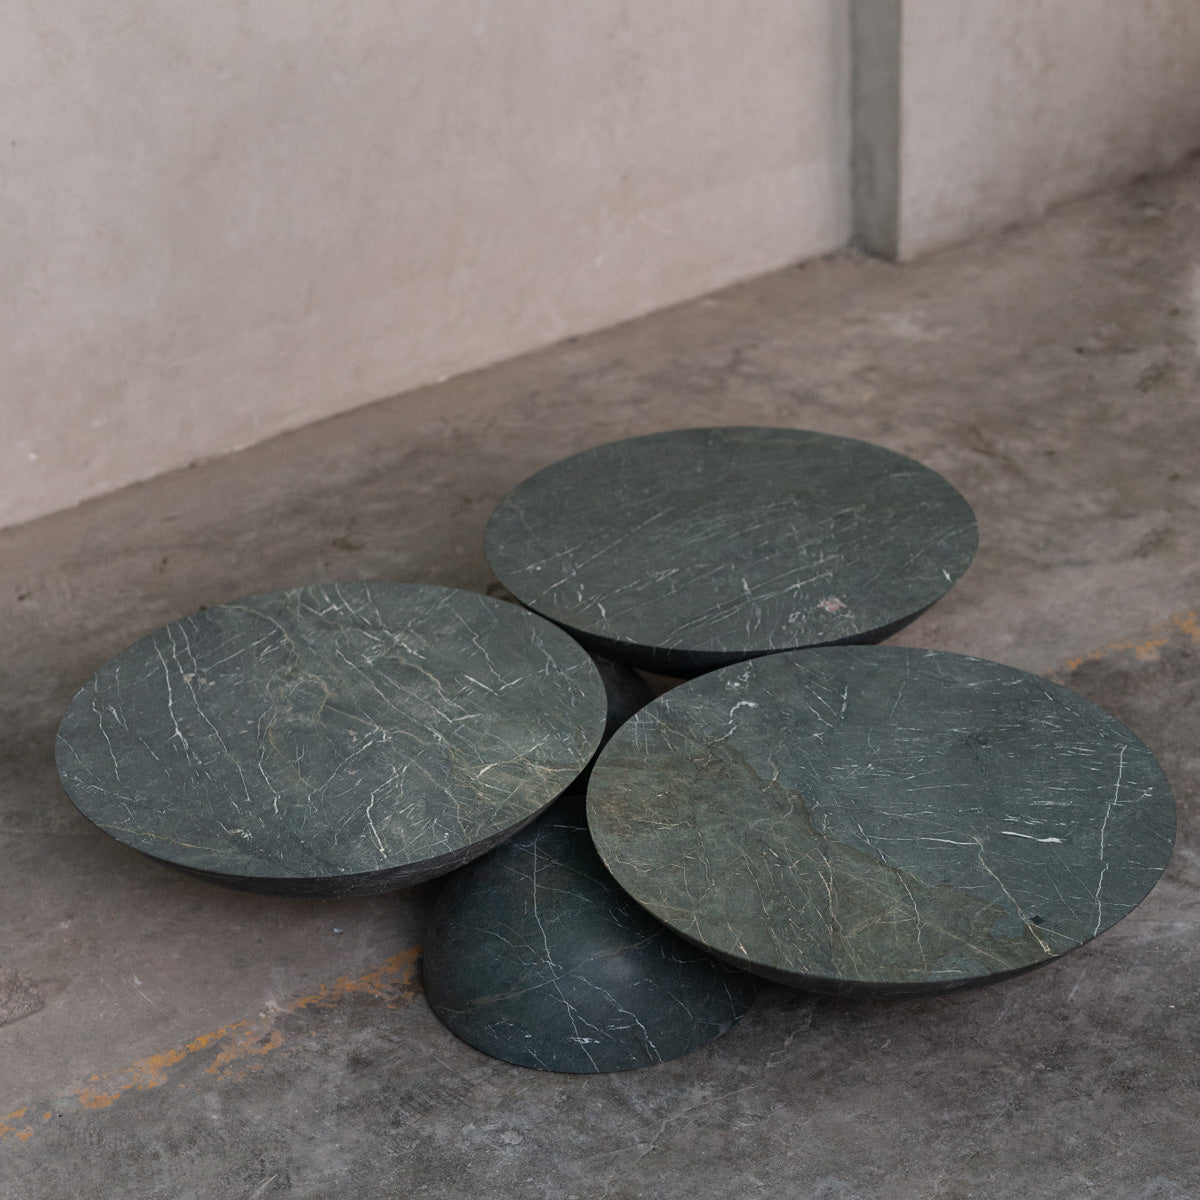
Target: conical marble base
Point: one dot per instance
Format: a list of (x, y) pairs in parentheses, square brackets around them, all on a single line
[(536, 957)]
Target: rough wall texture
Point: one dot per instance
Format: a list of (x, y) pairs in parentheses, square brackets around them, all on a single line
[(227, 220), (1010, 105)]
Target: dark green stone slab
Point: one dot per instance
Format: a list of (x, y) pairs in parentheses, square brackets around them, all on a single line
[(684, 551), (536, 957), (334, 740), (880, 820)]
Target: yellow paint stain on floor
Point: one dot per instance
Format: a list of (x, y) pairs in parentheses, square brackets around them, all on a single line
[(12, 1125), (239, 1048), (1145, 648)]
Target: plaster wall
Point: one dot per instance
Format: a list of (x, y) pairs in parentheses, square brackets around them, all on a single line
[(1007, 106), (226, 220)]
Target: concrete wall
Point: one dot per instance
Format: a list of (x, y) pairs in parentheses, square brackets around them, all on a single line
[(1007, 106), (224, 220)]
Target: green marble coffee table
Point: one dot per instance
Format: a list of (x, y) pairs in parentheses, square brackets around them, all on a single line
[(879, 820), (536, 957), (333, 740), (680, 552)]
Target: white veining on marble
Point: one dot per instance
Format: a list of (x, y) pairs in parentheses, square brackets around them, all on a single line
[(707, 541), (336, 730), (885, 817)]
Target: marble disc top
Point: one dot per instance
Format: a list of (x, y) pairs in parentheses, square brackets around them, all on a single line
[(691, 549), (881, 820), (335, 739)]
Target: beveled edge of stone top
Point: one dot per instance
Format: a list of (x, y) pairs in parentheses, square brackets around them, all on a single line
[(692, 548), (365, 735), (875, 821)]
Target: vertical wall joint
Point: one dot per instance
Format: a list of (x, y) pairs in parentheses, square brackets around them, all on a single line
[(875, 37)]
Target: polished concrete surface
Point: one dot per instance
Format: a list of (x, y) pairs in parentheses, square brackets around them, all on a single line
[(165, 1037)]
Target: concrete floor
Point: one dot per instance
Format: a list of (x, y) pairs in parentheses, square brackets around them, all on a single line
[(163, 1037)]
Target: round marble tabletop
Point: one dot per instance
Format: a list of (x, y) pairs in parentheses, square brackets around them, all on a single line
[(683, 551), (333, 740), (536, 957), (880, 820)]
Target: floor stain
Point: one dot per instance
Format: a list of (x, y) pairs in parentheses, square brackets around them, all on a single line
[(236, 1049)]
